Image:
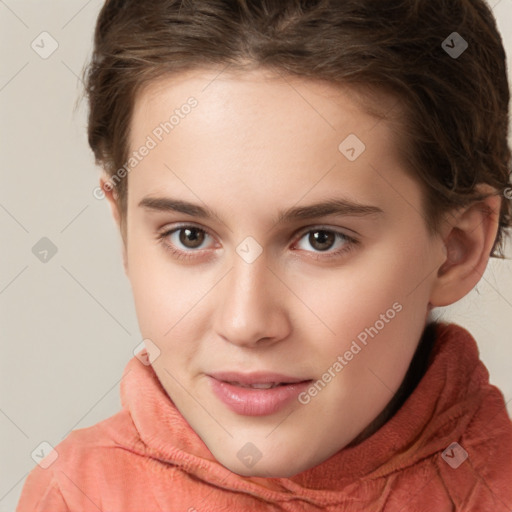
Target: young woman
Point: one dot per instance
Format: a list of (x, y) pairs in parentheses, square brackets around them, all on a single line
[(297, 183)]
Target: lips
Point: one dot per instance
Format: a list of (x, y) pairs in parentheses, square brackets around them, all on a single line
[(256, 394), (256, 378), (260, 385)]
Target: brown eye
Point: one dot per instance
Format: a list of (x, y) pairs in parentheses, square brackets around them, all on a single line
[(322, 240), (326, 243), (191, 237), (187, 242)]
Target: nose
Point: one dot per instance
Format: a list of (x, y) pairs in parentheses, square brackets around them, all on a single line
[(252, 305)]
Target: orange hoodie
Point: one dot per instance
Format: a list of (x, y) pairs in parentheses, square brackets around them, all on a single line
[(147, 458)]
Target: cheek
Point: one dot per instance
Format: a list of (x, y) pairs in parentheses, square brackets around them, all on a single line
[(379, 298), (357, 293), (162, 292)]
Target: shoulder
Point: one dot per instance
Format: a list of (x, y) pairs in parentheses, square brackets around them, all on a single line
[(107, 440), (468, 439), (81, 466), (476, 468)]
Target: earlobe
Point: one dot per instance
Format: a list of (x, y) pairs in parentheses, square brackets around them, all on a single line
[(468, 240)]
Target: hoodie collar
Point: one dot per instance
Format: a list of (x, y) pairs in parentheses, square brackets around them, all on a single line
[(436, 413)]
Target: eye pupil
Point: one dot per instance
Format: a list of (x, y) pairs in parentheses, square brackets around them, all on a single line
[(322, 240), (191, 238)]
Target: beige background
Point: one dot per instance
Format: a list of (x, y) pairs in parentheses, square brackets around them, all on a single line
[(68, 326)]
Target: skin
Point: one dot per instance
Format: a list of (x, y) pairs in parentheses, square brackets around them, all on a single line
[(256, 144)]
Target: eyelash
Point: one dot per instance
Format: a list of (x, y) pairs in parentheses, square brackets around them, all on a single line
[(349, 245)]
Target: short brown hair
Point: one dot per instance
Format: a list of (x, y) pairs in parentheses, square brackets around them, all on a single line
[(455, 107)]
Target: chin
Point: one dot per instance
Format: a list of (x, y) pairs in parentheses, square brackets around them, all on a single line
[(283, 469)]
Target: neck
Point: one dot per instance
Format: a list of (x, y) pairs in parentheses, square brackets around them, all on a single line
[(415, 372)]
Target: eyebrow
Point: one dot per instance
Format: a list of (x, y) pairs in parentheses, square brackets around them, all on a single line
[(336, 206)]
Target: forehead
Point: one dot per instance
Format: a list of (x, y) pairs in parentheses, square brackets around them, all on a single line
[(260, 130), (262, 82), (257, 106)]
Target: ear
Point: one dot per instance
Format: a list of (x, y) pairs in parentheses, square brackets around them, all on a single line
[(110, 194), (468, 237)]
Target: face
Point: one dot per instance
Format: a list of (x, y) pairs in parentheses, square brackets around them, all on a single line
[(283, 328)]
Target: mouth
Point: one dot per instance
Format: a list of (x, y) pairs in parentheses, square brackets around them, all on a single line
[(256, 394), (260, 385), (256, 378)]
